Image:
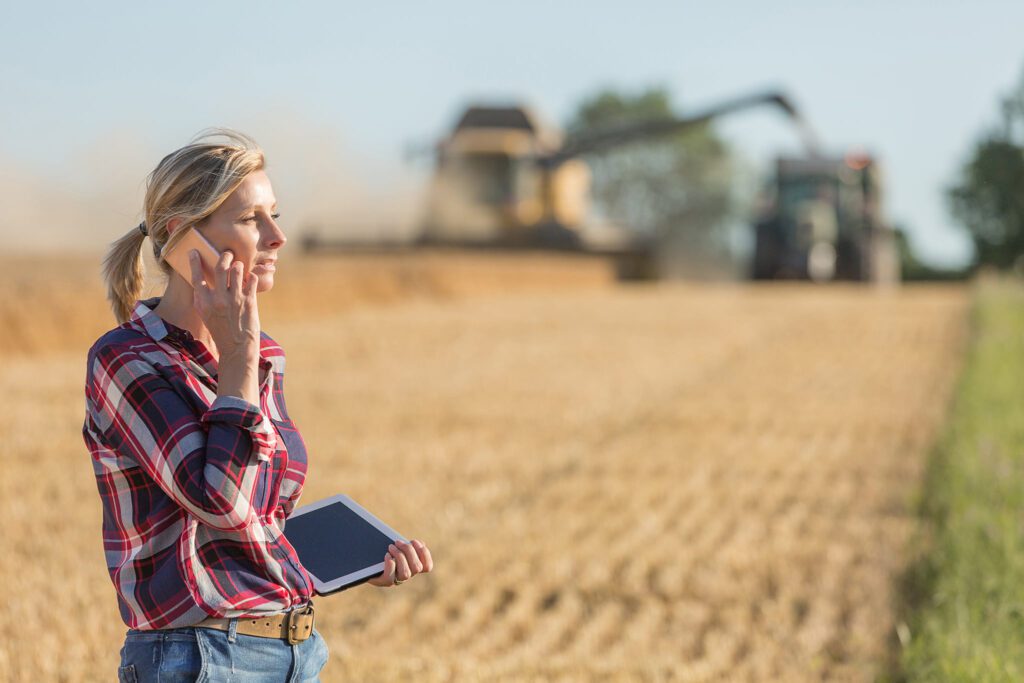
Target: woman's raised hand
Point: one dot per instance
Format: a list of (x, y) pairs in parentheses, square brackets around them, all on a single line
[(402, 562), (228, 305), (228, 309)]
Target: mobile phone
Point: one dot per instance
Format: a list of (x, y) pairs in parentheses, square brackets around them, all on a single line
[(178, 256)]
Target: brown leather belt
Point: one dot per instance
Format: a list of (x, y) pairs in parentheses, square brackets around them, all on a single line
[(294, 626)]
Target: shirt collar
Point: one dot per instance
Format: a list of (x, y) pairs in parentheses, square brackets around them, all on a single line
[(145, 320)]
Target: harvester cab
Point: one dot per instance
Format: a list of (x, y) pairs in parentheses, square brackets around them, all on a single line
[(489, 190)]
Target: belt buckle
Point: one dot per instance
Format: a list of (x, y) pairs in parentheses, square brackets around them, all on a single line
[(290, 621)]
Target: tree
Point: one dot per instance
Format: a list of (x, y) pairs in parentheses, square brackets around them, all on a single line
[(988, 199), (913, 270), (672, 188)]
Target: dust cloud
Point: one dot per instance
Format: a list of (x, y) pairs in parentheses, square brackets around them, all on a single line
[(94, 195)]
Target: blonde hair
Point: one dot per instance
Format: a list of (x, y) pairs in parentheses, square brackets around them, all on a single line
[(189, 183)]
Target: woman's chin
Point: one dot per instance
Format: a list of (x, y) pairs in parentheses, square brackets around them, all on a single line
[(265, 283)]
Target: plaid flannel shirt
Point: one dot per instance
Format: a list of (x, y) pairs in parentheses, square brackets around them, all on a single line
[(195, 487)]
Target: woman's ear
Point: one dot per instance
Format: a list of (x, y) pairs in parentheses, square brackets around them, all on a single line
[(173, 225)]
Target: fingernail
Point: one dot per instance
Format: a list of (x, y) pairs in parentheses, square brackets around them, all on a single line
[(193, 254)]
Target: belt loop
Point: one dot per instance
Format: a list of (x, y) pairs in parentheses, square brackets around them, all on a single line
[(232, 629)]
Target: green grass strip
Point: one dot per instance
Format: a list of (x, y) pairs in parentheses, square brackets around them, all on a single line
[(965, 595)]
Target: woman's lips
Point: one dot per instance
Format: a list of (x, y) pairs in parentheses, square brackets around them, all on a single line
[(265, 267)]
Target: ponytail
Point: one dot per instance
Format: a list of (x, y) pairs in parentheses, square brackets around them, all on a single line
[(122, 271)]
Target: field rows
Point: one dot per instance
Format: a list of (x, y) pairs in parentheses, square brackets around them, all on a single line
[(698, 495), (666, 482)]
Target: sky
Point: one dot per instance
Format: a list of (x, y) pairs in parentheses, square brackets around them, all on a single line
[(94, 94)]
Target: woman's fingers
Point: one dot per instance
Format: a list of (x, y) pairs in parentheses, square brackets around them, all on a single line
[(424, 554), (403, 572), (196, 266), (411, 557), (386, 577), (404, 560), (237, 275), (220, 272), (251, 280)]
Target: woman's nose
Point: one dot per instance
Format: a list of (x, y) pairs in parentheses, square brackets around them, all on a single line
[(273, 236)]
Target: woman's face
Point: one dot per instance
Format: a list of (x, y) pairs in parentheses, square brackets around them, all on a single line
[(246, 224)]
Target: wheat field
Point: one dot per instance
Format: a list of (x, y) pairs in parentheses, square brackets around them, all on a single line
[(663, 482)]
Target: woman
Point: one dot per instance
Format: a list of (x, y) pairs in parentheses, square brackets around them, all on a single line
[(196, 459)]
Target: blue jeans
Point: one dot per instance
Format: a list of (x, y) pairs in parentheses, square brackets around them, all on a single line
[(201, 655)]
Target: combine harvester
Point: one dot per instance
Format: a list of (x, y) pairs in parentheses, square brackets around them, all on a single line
[(503, 180)]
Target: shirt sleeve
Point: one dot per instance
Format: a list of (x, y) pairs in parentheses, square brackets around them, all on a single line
[(208, 463), (287, 501)]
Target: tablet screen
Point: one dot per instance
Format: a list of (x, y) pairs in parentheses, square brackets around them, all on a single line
[(334, 541)]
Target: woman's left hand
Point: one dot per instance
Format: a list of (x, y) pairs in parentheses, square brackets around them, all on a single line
[(402, 562)]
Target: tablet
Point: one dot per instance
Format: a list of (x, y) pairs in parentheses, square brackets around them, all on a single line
[(339, 542)]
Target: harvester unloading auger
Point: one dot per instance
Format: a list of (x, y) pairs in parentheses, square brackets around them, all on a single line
[(502, 180)]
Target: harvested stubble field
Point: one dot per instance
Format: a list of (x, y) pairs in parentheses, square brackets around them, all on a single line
[(651, 483)]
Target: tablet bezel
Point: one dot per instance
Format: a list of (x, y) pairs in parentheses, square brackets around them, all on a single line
[(360, 575)]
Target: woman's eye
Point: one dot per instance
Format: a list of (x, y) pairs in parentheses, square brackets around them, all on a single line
[(247, 219)]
